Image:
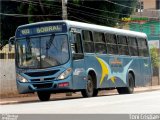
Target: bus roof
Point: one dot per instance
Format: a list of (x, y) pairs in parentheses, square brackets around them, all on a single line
[(92, 27)]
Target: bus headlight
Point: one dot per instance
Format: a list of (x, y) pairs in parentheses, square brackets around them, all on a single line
[(65, 74), (21, 79)]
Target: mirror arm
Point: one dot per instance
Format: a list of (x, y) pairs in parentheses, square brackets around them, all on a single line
[(10, 42), (11, 38)]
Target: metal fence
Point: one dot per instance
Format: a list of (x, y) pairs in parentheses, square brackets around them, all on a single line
[(5, 54)]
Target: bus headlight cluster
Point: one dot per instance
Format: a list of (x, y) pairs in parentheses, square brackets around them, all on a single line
[(65, 74), (21, 79)]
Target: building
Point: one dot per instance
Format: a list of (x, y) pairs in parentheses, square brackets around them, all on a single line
[(148, 20), (148, 4)]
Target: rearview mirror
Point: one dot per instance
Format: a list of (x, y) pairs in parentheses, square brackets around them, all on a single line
[(11, 40)]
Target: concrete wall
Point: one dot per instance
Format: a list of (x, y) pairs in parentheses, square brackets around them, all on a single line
[(8, 86), (7, 73), (7, 77)]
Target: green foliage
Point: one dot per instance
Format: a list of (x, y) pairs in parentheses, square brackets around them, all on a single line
[(76, 1), (43, 7), (9, 24), (155, 57), (110, 18), (31, 11)]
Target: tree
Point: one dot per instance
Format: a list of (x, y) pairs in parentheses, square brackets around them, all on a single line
[(101, 12), (9, 23), (78, 10), (155, 57), (44, 7)]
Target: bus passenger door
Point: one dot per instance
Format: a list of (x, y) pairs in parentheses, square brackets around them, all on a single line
[(78, 62)]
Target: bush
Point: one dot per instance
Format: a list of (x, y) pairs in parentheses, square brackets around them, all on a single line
[(155, 57)]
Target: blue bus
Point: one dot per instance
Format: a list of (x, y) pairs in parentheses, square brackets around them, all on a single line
[(69, 56)]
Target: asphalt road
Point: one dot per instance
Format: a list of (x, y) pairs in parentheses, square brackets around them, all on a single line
[(147, 102)]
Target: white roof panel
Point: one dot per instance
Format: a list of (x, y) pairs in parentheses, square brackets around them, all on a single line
[(93, 27)]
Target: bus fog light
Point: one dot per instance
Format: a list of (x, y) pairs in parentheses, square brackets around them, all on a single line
[(21, 79), (65, 74)]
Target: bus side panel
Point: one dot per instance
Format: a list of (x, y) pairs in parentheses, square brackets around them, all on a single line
[(92, 64), (79, 74), (112, 70), (119, 66), (140, 68), (110, 76), (136, 69), (145, 72)]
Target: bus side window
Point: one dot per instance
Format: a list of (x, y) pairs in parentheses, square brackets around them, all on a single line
[(99, 41), (146, 50), (111, 43), (122, 45), (88, 41), (143, 48), (133, 47), (77, 47)]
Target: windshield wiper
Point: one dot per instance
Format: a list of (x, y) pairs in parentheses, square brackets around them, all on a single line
[(28, 41), (49, 43)]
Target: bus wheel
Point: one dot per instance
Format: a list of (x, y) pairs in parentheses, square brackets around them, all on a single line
[(130, 88), (90, 90), (44, 96)]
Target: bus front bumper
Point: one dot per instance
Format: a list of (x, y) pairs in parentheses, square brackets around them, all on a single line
[(52, 86)]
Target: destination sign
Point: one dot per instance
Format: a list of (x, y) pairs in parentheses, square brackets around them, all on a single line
[(41, 29)]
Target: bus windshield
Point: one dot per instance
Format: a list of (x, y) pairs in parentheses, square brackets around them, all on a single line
[(42, 51)]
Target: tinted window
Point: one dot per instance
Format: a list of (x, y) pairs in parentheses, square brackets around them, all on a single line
[(111, 43), (99, 37), (110, 38), (77, 47), (133, 48), (122, 45), (99, 41), (88, 41), (87, 35), (122, 40), (143, 48)]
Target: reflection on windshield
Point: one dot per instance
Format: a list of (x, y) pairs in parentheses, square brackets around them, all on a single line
[(42, 52)]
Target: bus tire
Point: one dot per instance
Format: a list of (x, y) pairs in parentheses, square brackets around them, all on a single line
[(43, 96), (95, 92), (130, 88), (90, 90)]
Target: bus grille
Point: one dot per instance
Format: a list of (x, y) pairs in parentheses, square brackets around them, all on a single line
[(44, 73), (40, 86), (45, 79)]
